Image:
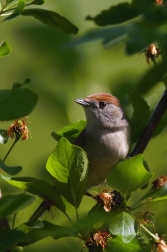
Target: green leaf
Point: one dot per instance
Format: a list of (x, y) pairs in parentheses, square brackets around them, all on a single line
[(11, 204), (4, 136), (48, 229), (71, 131), (5, 49), (162, 124), (16, 103), (151, 78), (38, 2), (68, 165), (38, 187), (9, 239), (155, 194), (17, 249), (18, 85), (9, 1), (142, 29), (117, 245), (52, 19), (129, 175), (116, 14), (123, 225), (17, 11), (106, 35), (25, 235), (11, 170), (140, 118)]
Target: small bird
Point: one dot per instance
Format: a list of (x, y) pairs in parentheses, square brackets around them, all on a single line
[(106, 138)]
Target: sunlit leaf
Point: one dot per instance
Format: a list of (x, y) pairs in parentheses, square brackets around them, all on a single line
[(52, 19), (16, 103), (123, 225), (70, 132), (38, 187), (116, 14), (68, 165), (3, 136), (17, 249), (5, 49), (11, 204), (129, 175), (118, 245), (17, 11), (11, 170), (141, 115)]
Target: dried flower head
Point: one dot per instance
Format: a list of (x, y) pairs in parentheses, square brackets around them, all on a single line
[(160, 245), (107, 198), (146, 218), (19, 128), (159, 2), (160, 181), (151, 52), (101, 238)]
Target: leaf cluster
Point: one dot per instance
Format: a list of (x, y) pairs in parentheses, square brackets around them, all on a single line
[(138, 24)]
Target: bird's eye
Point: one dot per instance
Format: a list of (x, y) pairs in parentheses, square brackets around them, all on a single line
[(102, 105)]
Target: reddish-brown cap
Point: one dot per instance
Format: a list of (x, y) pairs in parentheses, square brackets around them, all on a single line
[(105, 97)]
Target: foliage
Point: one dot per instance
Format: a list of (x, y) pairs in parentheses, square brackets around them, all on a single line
[(113, 224)]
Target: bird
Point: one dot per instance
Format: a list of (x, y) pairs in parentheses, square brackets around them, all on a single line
[(106, 137)]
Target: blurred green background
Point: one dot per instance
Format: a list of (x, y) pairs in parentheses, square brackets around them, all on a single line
[(59, 74)]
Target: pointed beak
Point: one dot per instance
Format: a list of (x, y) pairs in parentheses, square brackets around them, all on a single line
[(82, 102)]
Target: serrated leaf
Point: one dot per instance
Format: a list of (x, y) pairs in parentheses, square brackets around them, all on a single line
[(129, 175), (155, 194), (11, 204), (106, 35), (16, 103), (118, 245), (3, 136), (5, 49), (140, 118), (123, 225), (70, 132), (38, 187), (17, 11), (116, 14), (68, 165), (11, 170), (52, 19), (151, 78)]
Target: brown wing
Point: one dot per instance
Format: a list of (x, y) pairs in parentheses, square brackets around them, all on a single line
[(81, 139)]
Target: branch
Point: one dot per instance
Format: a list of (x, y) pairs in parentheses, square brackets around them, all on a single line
[(152, 124)]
